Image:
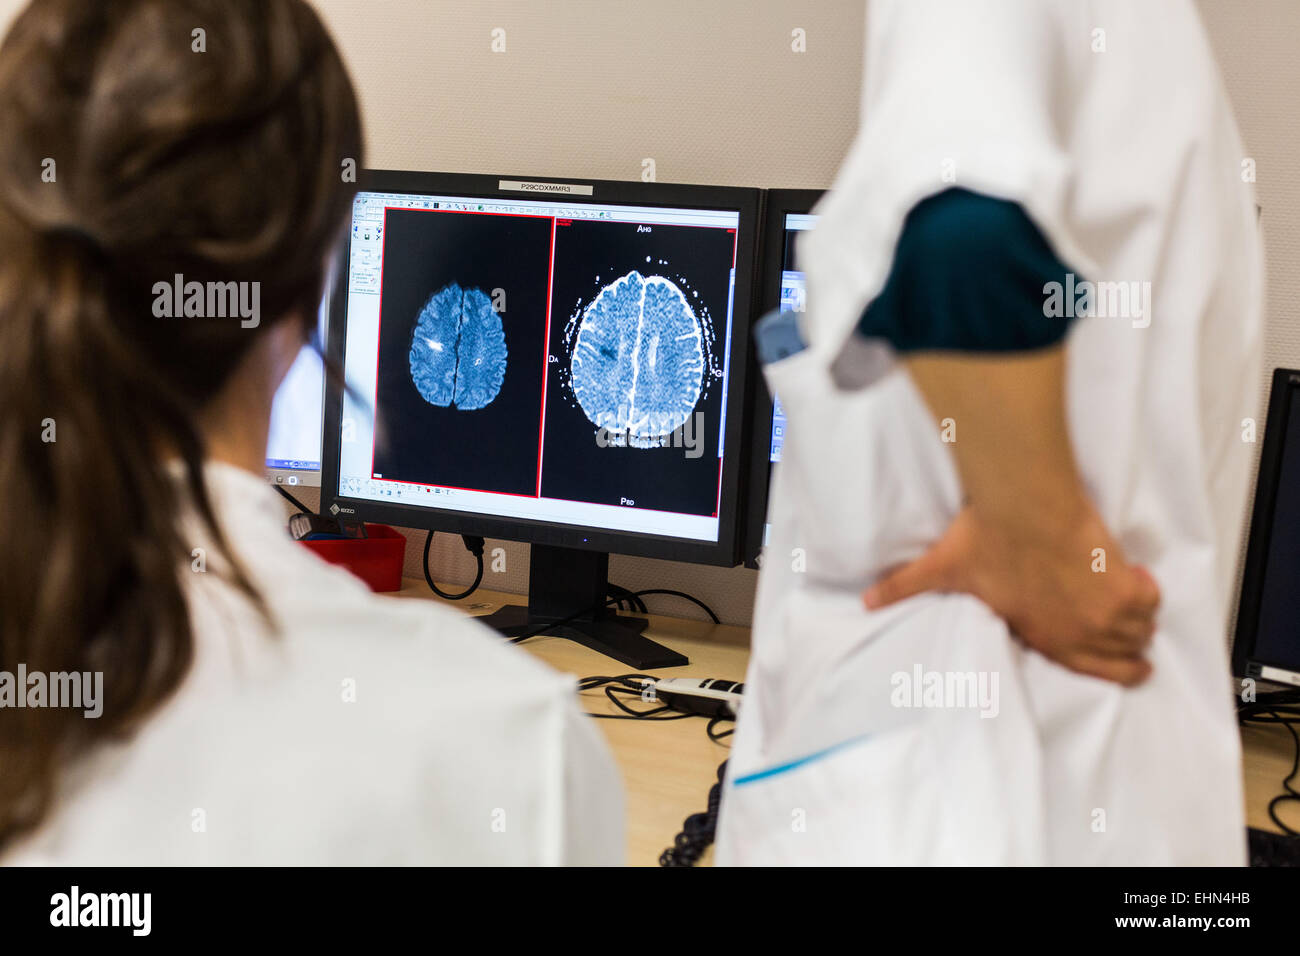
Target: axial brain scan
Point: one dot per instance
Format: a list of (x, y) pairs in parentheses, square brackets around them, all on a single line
[(458, 349), (638, 363)]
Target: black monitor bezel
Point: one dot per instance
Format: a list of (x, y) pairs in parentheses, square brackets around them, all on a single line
[(778, 204), (725, 550), (1244, 661)]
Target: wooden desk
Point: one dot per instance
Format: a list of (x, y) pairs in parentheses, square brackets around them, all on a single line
[(669, 767), (1267, 752)]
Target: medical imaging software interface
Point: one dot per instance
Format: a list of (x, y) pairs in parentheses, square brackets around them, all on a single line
[(294, 440), (537, 359)]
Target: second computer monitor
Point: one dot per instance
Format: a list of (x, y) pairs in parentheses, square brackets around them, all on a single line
[(294, 439), (1267, 645), (554, 362), (781, 286)]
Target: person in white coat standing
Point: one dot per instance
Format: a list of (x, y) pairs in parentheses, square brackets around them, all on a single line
[(1014, 476), (251, 704)]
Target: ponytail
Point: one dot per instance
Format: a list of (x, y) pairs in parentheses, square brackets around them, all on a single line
[(88, 574), (101, 455)]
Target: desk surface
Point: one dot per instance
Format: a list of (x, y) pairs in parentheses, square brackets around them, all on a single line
[(669, 767)]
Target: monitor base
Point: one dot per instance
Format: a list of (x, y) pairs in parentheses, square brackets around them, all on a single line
[(616, 637), (568, 596)]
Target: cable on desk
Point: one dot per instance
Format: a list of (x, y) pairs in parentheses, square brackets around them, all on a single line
[(293, 501), (681, 594), (474, 545), (1282, 707), (717, 738), (627, 680), (632, 685), (520, 638), (699, 830), (623, 595)]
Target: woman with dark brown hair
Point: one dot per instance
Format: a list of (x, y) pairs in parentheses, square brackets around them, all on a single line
[(238, 701)]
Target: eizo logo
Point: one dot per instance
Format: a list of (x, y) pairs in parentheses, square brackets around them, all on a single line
[(103, 909), (334, 509)]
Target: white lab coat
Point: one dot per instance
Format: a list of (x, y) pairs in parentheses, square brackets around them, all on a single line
[(369, 730), (1128, 160)]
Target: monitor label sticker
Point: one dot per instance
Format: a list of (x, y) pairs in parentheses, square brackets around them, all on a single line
[(567, 189)]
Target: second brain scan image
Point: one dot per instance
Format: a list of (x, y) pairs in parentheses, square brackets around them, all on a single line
[(637, 351)]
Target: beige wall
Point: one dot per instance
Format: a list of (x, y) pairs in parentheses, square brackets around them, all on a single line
[(711, 90), (1258, 46), (1257, 42)]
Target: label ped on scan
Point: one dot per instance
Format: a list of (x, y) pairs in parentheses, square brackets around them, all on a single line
[(563, 189)]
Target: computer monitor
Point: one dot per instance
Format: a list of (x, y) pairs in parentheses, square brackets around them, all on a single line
[(557, 362), (781, 286), (1267, 645), (297, 415)]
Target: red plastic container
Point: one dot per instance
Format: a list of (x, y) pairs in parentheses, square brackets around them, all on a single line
[(376, 559)]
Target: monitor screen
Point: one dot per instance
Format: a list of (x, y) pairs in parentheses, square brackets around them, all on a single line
[(782, 289), (540, 360), (1268, 639), (793, 296), (294, 441)]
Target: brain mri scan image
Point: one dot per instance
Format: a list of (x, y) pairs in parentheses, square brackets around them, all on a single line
[(638, 360), (458, 349)]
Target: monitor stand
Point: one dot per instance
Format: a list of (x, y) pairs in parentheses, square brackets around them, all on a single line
[(567, 591)]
